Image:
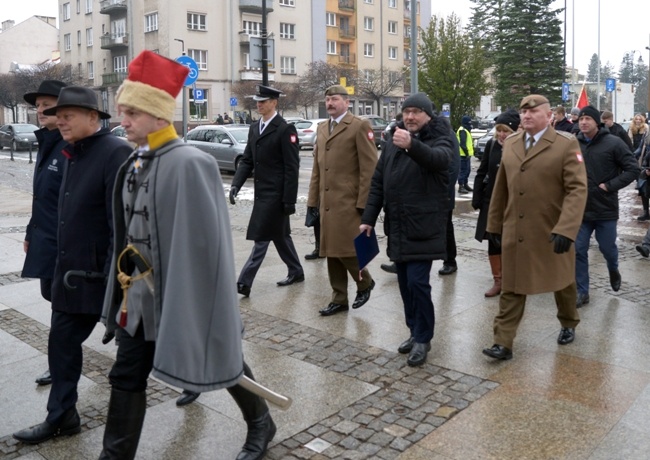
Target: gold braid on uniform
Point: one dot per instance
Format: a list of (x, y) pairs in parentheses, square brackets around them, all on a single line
[(126, 281)]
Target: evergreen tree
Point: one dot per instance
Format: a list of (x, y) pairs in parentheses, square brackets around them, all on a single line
[(528, 52), (452, 67), (592, 69)]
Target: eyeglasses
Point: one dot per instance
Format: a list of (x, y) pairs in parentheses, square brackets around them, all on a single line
[(413, 111)]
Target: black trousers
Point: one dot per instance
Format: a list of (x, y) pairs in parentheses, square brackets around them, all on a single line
[(133, 362), (451, 241), (65, 357)]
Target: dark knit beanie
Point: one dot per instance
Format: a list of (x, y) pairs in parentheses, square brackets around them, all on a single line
[(419, 101), (510, 118), (590, 111)]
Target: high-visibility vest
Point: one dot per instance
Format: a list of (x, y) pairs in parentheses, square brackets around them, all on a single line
[(469, 142)]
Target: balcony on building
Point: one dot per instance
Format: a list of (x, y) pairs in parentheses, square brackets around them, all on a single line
[(254, 6), (347, 59), (113, 79), (254, 74), (349, 32), (346, 5), (111, 6), (114, 41)]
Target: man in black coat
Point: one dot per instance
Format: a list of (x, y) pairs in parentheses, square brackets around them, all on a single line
[(84, 240), (40, 238), (610, 167), (607, 118), (272, 154), (411, 183)]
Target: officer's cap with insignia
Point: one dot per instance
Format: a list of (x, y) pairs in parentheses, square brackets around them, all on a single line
[(266, 92), (532, 101), (336, 89)]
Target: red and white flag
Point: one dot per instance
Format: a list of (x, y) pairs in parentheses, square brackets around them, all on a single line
[(583, 100)]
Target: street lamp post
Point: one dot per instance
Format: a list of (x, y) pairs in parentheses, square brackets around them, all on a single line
[(185, 103), (648, 90)]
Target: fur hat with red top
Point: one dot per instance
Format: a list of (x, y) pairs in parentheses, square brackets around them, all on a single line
[(152, 85)]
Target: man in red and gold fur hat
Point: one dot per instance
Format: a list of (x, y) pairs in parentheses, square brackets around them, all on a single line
[(172, 297)]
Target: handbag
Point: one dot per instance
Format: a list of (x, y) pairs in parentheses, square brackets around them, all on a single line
[(312, 217)]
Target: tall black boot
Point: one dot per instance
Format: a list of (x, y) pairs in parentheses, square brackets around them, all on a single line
[(123, 425), (261, 428)]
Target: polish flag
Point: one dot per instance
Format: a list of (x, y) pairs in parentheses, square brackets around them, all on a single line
[(583, 100)]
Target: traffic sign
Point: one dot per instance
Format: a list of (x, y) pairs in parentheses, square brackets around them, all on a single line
[(233, 102), (199, 96), (610, 85), (190, 64), (565, 92)]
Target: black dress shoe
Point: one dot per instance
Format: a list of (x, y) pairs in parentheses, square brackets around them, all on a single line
[(45, 378), (567, 334), (389, 268), (363, 296), (186, 398), (448, 269), (313, 255), (498, 352), (69, 425), (333, 308), (582, 299), (291, 279), (243, 289), (468, 188), (615, 280), (406, 346), (643, 250), (418, 354)]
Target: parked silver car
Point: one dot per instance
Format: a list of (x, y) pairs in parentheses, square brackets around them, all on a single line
[(226, 143), (307, 131), (481, 142), (18, 136)]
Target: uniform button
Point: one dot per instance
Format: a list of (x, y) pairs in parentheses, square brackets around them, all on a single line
[(521, 240), (62, 253), (521, 193), (521, 216), (327, 209), (523, 169), (67, 193), (62, 223), (327, 189)]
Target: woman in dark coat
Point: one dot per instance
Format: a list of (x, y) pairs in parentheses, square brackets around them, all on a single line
[(506, 124)]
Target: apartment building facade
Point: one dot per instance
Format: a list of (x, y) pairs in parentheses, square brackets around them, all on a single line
[(99, 38)]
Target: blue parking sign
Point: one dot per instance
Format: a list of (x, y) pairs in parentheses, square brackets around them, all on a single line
[(565, 92), (610, 84), (233, 102), (198, 95)]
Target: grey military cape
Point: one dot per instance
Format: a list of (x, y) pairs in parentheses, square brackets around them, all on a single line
[(197, 324)]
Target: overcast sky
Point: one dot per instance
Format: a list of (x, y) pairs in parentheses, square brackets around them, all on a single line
[(625, 24)]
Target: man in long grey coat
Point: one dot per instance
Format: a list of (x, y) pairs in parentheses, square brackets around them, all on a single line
[(535, 212), (174, 299)]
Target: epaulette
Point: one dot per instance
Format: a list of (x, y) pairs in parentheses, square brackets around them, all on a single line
[(565, 134)]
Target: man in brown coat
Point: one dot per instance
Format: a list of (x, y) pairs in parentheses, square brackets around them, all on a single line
[(344, 163), (536, 210)]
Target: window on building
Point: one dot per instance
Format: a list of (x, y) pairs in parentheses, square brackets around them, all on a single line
[(407, 31), (369, 23), (118, 28), (89, 6), (367, 75), (78, 38), (331, 47), (287, 2), (252, 28), (369, 1), (150, 22), (78, 6), (201, 58), (90, 70), (66, 42), (89, 36), (119, 64), (392, 52), (330, 19), (368, 49), (287, 30), (393, 76), (407, 53), (392, 27), (392, 3), (65, 11), (79, 70), (199, 111), (196, 21), (288, 65)]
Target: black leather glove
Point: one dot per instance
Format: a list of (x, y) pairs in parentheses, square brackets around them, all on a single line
[(233, 193), (289, 208), (562, 243), (495, 239), (360, 211), (476, 204)]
